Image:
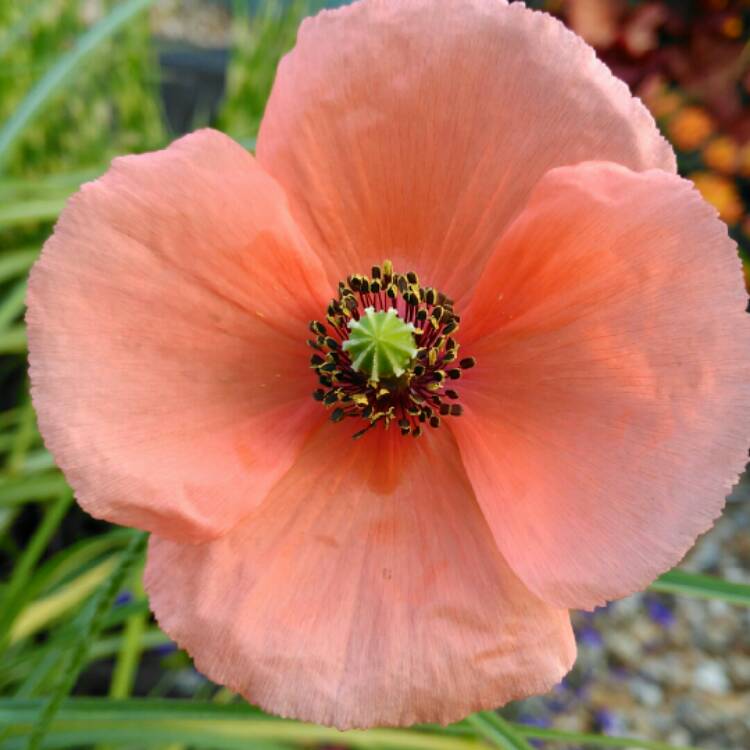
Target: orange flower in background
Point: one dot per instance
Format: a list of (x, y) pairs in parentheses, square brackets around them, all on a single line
[(722, 154), (661, 100), (459, 228), (744, 160), (721, 193), (690, 128)]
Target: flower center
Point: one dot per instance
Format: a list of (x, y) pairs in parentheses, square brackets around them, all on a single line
[(387, 353), (380, 344)]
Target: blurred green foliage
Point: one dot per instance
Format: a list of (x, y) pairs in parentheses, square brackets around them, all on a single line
[(258, 41), (108, 107)]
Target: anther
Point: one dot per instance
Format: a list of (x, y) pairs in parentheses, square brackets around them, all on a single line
[(385, 358)]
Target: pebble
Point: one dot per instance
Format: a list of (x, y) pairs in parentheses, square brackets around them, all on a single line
[(666, 668), (647, 693), (711, 676), (739, 673)]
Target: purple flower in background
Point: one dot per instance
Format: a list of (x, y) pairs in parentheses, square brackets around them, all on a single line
[(588, 635), (660, 612)]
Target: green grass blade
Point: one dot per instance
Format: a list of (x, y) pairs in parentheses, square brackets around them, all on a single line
[(79, 738), (31, 489), (26, 434), (76, 558), (61, 184), (497, 731), (13, 595), (44, 612), (150, 723), (222, 727), (13, 341), (14, 263), (40, 672), (703, 587), (122, 612), (61, 72), (24, 212), (598, 740), (13, 304), (148, 639), (37, 461), (73, 661), (129, 654)]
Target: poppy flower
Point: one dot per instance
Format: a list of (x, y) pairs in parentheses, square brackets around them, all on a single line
[(456, 352)]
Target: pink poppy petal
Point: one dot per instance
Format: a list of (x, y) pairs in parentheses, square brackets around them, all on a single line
[(609, 411), (415, 132), (167, 326), (366, 590)]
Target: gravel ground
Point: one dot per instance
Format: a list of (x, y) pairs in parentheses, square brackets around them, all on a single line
[(675, 669)]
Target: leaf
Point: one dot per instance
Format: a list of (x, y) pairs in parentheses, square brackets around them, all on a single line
[(24, 212), (60, 184), (13, 305), (15, 263), (129, 653), (154, 722), (106, 647), (61, 72), (73, 661), (599, 740), (703, 587), (14, 591), (150, 723), (38, 488), (497, 731), (13, 341), (43, 612)]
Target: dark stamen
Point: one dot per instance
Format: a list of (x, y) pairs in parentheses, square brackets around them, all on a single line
[(418, 396)]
